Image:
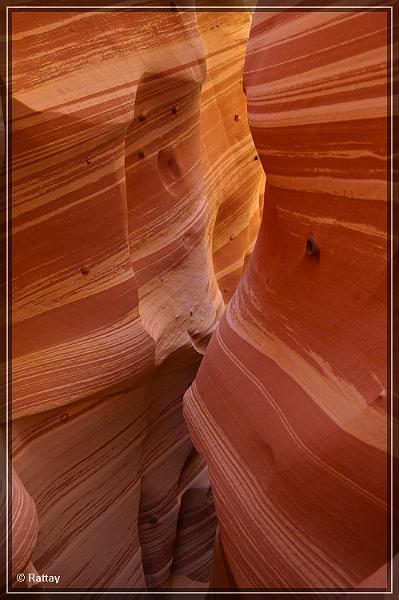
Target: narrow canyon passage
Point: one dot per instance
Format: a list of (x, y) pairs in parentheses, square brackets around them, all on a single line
[(199, 376)]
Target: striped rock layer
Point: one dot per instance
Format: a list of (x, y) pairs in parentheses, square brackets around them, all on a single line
[(135, 198), (289, 406)]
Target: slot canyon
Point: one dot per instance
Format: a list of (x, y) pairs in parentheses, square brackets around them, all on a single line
[(200, 263)]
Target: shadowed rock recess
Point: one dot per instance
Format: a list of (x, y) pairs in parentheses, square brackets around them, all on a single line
[(137, 195)]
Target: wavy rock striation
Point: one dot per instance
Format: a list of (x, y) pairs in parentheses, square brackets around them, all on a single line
[(135, 195), (289, 404)]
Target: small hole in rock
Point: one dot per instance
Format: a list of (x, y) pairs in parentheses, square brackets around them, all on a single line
[(84, 270), (311, 247)]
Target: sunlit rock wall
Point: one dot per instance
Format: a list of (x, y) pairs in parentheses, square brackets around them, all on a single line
[(233, 175), (135, 195)]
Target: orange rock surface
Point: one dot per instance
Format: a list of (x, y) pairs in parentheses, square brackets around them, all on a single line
[(134, 197), (289, 406), (137, 193)]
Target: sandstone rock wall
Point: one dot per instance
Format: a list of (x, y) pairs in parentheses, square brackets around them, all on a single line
[(135, 196), (289, 404), (234, 178)]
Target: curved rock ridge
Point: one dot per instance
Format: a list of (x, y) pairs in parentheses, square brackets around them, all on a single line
[(134, 198), (289, 406)]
